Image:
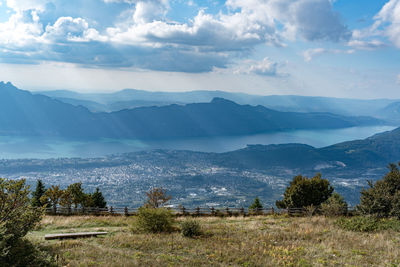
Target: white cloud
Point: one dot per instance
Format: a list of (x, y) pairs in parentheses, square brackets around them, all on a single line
[(388, 19), (71, 29), (312, 19), (309, 54), (366, 45), (266, 67), (22, 5)]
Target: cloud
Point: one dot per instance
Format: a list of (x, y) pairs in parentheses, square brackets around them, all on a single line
[(143, 36), (388, 19), (309, 54), (266, 67), (311, 19), (366, 45), (71, 29)]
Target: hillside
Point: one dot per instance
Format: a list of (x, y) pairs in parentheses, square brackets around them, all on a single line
[(234, 241), (26, 114)]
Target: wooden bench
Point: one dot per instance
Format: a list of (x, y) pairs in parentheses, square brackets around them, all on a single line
[(73, 235)]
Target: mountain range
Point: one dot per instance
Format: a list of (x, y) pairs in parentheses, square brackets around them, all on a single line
[(131, 98), (24, 113)]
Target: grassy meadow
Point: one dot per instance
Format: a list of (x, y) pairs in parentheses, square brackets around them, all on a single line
[(232, 241)]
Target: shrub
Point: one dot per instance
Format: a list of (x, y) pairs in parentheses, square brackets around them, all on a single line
[(334, 206), (382, 199), (368, 224), (303, 192), (155, 220), (17, 218), (190, 228)]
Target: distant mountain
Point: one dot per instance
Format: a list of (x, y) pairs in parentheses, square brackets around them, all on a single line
[(375, 151), (24, 113), (130, 98)]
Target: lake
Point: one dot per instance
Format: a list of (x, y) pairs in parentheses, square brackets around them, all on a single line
[(12, 147)]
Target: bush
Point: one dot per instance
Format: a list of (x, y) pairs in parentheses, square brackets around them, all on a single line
[(17, 218), (155, 220), (190, 228), (334, 206), (303, 192), (368, 224), (382, 199)]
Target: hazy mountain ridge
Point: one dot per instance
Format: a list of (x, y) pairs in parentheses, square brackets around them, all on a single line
[(33, 114), (130, 98)]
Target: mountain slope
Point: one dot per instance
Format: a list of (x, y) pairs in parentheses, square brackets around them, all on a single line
[(129, 98), (375, 151), (25, 113)]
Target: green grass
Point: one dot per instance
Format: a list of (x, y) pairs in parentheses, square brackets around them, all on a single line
[(236, 241)]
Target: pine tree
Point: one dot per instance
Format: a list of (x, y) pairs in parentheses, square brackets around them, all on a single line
[(256, 206), (98, 199), (37, 194)]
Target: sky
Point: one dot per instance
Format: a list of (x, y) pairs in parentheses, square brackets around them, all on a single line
[(338, 48)]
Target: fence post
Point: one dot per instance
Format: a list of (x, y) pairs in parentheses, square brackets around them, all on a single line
[(111, 210), (242, 212), (228, 212), (126, 211), (183, 211), (272, 211), (198, 211), (212, 211)]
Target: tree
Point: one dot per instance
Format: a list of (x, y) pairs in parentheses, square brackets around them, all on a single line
[(17, 218), (53, 196), (303, 192), (157, 197), (382, 199), (66, 199), (38, 193), (78, 196), (98, 199), (256, 206)]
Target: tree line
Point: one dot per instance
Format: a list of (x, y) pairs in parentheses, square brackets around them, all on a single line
[(71, 197)]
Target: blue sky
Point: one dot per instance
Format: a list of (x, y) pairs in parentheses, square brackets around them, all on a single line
[(341, 48)]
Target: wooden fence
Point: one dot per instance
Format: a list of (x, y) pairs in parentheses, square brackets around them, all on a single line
[(182, 211)]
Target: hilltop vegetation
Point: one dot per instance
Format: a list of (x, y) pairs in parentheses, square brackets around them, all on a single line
[(233, 241)]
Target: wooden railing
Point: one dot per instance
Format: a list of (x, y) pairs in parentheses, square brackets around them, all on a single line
[(182, 211)]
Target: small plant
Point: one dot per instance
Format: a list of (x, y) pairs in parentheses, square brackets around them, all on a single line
[(334, 206), (155, 220), (359, 224), (190, 228)]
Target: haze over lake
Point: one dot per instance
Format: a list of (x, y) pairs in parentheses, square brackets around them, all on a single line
[(12, 147)]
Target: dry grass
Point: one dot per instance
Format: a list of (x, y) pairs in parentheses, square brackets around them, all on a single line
[(254, 241)]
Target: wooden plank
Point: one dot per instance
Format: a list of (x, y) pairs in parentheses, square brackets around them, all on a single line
[(73, 235)]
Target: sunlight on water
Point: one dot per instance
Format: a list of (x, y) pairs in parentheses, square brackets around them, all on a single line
[(34, 147)]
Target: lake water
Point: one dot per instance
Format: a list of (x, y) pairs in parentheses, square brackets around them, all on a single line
[(34, 147)]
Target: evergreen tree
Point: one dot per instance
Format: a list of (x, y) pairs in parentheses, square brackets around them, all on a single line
[(256, 206), (37, 194), (98, 199)]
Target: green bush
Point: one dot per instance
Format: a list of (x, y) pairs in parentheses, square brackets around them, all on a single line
[(303, 192), (17, 218), (368, 224), (190, 228), (155, 220), (382, 199), (334, 206)]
